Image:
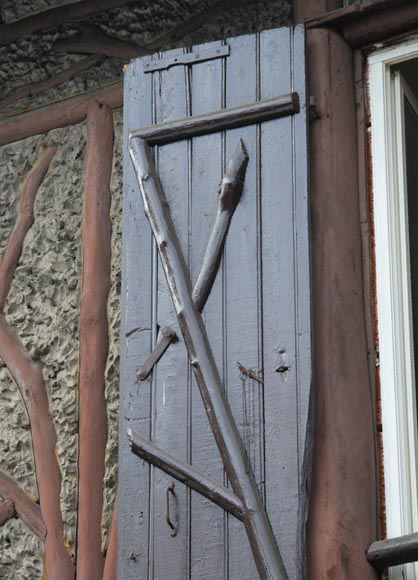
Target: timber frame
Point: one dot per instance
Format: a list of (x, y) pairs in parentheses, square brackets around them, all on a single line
[(338, 41)]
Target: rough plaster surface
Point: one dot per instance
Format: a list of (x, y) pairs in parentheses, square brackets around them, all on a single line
[(44, 308), (31, 59)]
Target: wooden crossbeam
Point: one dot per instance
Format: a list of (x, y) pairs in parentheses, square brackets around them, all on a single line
[(393, 551)]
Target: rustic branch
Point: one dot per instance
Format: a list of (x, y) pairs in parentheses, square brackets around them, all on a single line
[(94, 339), (23, 223), (62, 114), (94, 41), (393, 551), (61, 77), (7, 511), (112, 545), (229, 196), (29, 378), (27, 510), (54, 17), (351, 12), (263, 544)]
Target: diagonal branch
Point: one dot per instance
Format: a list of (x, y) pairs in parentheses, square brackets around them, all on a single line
[(94, 340), (29, 378), (27, 510), (23, 223), (61, 77), (7, 511)]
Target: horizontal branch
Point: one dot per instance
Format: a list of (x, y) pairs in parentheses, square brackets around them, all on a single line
[(351, 12), (27, 510), (187, 474), (7, 511), (23, 223), (54, 17), (38, 88), (29, 378), (62, 114), (393, 552), (93, 41)]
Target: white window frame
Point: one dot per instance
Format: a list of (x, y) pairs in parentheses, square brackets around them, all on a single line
[(394, 309)]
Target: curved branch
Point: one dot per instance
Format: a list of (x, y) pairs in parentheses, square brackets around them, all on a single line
[(23, 223), (29, 378), (94, 340), (61, 77), (27, 510)]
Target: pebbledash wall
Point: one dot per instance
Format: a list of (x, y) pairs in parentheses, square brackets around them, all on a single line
[(43, 304)]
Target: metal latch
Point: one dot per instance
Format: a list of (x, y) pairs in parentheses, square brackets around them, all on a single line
[(187, 58)]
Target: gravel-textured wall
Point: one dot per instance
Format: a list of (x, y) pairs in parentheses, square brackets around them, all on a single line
[(44, 307), (44, 300)]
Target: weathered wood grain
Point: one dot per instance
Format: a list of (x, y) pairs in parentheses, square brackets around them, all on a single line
[(61, 114), (94, 342), (66, 74), (23, 223), (26, 509)]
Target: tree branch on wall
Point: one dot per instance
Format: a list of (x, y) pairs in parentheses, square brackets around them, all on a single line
[(63, 76), (25, 508), (28, 376), (94, 339)]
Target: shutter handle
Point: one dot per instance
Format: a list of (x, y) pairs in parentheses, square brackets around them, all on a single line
[(169, 489)]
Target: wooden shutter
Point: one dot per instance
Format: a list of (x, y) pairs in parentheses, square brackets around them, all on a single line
[(192, 107)]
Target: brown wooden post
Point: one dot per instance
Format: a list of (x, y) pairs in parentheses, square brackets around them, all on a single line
[(343, 505), (94, 339)]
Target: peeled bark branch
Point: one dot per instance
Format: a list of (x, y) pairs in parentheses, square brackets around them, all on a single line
[(112, 545), (93, 41), (27, 510), (7, 511), (24, 221), (29, 378), (61, 77), (94, 339)]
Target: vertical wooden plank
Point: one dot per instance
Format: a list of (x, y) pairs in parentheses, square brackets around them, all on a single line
[(207, 519), (171, 377), (135, 343), (241, 294)]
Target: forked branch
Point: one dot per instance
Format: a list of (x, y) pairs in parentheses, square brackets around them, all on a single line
[(7, 511), (27, 510)]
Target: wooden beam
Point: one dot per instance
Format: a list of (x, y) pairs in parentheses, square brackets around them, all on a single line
[(93, 41), (393, 552), (94, 341), (62, 114), (109, 572), (7, 511), (395, 19), (54, 17), (351, 12), (27, 510), (61, 77)]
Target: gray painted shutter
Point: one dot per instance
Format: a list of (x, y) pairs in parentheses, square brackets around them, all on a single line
[(258, 311)]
